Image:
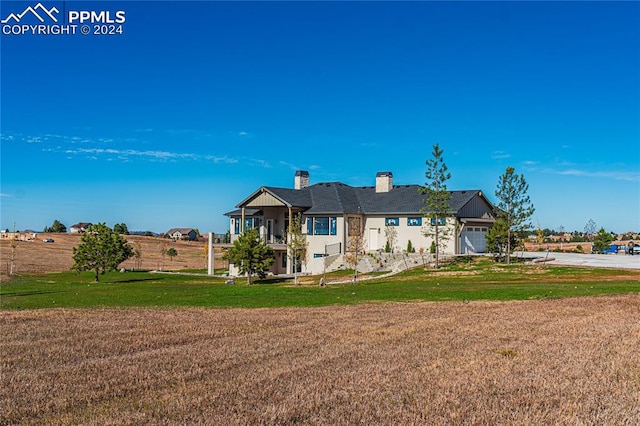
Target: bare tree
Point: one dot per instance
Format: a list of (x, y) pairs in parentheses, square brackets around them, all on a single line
[(391, 233), (590, 229), (163, 252), (137, 254), (297, 245), (14, 253), (356, 244)]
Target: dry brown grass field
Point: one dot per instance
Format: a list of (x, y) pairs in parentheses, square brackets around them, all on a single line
[(37, 257), (565, 361)]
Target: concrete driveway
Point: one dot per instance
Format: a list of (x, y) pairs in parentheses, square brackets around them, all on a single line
[(618, 261)]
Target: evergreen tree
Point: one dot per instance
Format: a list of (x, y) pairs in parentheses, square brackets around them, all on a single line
[(514, 206), (100, 250), (172, 252), (497, 238), (250, 254), (121, 228), (602, 241), (437, 203), (57, 226), (410, 248)]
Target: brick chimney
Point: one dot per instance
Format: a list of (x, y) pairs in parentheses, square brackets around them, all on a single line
[(301, 179), (384, 181)]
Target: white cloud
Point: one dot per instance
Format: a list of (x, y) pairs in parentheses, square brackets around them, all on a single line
[(221, 160), (97, 148), (613, 174), (261, 163), (499, 155), (5, 195), (289, 165)]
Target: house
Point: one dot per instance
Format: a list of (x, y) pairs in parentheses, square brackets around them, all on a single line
[(182, 234), (332, 212), (80, 227)]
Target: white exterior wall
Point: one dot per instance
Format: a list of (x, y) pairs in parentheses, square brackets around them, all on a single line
[(376, 225), (317, 243), (374, 229)]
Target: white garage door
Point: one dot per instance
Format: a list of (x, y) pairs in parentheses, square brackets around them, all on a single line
[(473, 240)]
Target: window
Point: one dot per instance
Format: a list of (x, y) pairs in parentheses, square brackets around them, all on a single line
[(392, 221), (322, 225), (236, 227), (414, 221), (441, 221), (248, 223)]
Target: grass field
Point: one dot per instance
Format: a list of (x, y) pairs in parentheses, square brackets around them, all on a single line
[(34, 256), (560, 361), (467, 280), (518, 344)]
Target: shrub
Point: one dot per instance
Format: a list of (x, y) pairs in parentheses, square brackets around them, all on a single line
[(410, 248)]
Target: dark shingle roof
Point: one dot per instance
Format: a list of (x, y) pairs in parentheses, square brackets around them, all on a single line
[(339, 198)]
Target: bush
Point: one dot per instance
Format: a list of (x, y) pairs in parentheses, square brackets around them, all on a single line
[(410, 248)]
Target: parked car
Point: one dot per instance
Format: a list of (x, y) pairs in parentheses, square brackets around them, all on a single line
[(636, 249), (48, 240), (613, 248)]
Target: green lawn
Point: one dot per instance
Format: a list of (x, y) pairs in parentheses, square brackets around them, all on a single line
[(464, 281)]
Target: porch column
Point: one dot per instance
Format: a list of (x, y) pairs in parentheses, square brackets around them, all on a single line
[(289, 262), (242, 223)]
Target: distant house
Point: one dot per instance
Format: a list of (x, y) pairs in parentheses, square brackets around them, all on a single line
[(79, 228), (182, 234)]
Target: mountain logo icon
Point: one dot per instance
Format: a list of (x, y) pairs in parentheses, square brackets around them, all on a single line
[(39, 11)]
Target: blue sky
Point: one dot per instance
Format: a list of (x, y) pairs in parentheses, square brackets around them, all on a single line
[(197, 104)]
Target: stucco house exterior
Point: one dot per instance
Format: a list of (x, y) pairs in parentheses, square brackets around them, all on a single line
[(188, 234), (79, 228), (333, 211)]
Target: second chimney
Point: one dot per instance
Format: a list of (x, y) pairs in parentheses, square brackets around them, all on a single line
[(384, 181), (301, 179)]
